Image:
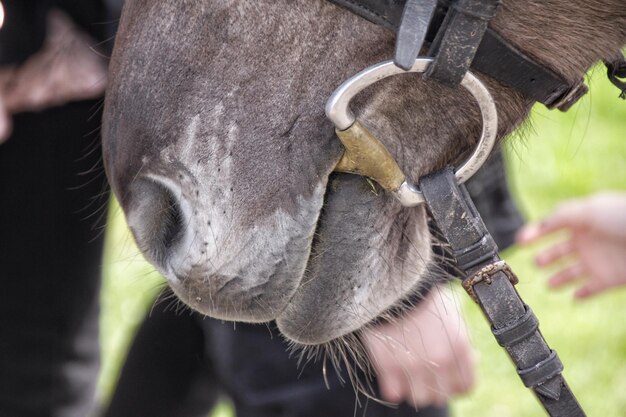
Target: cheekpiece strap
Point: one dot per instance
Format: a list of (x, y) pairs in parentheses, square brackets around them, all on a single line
[(458, 39), (491, 282)]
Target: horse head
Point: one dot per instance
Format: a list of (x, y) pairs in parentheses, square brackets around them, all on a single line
[(218, 149)]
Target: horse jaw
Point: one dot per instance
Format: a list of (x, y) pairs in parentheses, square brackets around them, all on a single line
[(368, 254)]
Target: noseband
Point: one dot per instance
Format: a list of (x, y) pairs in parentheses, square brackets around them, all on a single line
[(458, 39)]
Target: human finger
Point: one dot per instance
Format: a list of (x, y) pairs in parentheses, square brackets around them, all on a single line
[(384, 359), (435, 381), (464, 375), (535, 231), (567, 275), (401, 378), (391, 388), (569, 214), (426, 389), (528, 233), (555, 252), (6, 124), (592, 287), (405, 378), (573, 213)]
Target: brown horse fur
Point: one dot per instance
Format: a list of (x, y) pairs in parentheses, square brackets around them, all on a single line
[(217, 147)]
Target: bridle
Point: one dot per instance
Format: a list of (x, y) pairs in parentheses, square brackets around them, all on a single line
[(459, 38), (365, 155)]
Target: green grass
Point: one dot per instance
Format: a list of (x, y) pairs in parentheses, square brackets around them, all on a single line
[(563, 156)]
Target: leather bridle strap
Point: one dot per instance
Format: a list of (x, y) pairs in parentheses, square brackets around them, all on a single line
[(490, 282), (493, 56), (616, 71), (458, 39)]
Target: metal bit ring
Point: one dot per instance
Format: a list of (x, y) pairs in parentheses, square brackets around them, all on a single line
[(365, 154)]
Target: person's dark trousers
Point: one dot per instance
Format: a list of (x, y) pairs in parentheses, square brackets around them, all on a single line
[(52, 208), (180, 362), (265, 380), (166, 372)]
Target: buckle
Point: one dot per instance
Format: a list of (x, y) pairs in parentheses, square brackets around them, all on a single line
[(569, 97), (485, 274)]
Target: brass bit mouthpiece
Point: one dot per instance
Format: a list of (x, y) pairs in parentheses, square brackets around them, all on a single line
[(366, 155)]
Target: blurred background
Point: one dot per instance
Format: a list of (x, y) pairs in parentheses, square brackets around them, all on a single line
[(555, 156)]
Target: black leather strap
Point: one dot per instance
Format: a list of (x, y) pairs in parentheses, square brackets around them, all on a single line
[(517, 331), (412, 31), (458, 39), (616, 71), (386, 13), (541, 372), (503, 62), (490, 283), (494, 57)]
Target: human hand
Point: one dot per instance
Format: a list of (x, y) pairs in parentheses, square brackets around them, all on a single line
[(424, 358), (66, 69), (594, 250)]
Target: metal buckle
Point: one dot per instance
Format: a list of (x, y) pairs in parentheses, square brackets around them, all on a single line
[(485, 274), (569, 97), (366, 155)]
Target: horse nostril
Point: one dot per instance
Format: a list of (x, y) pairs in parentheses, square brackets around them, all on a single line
[(156, 218), (171, 222)]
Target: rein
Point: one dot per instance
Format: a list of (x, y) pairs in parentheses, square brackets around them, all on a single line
[(459, 39)]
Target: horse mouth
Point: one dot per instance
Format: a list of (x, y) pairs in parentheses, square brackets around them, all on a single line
[(369, 255)]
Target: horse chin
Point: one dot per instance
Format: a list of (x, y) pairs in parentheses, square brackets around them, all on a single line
[(368, 256)]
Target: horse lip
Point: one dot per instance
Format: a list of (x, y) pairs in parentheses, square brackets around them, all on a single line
[(223, 305)]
